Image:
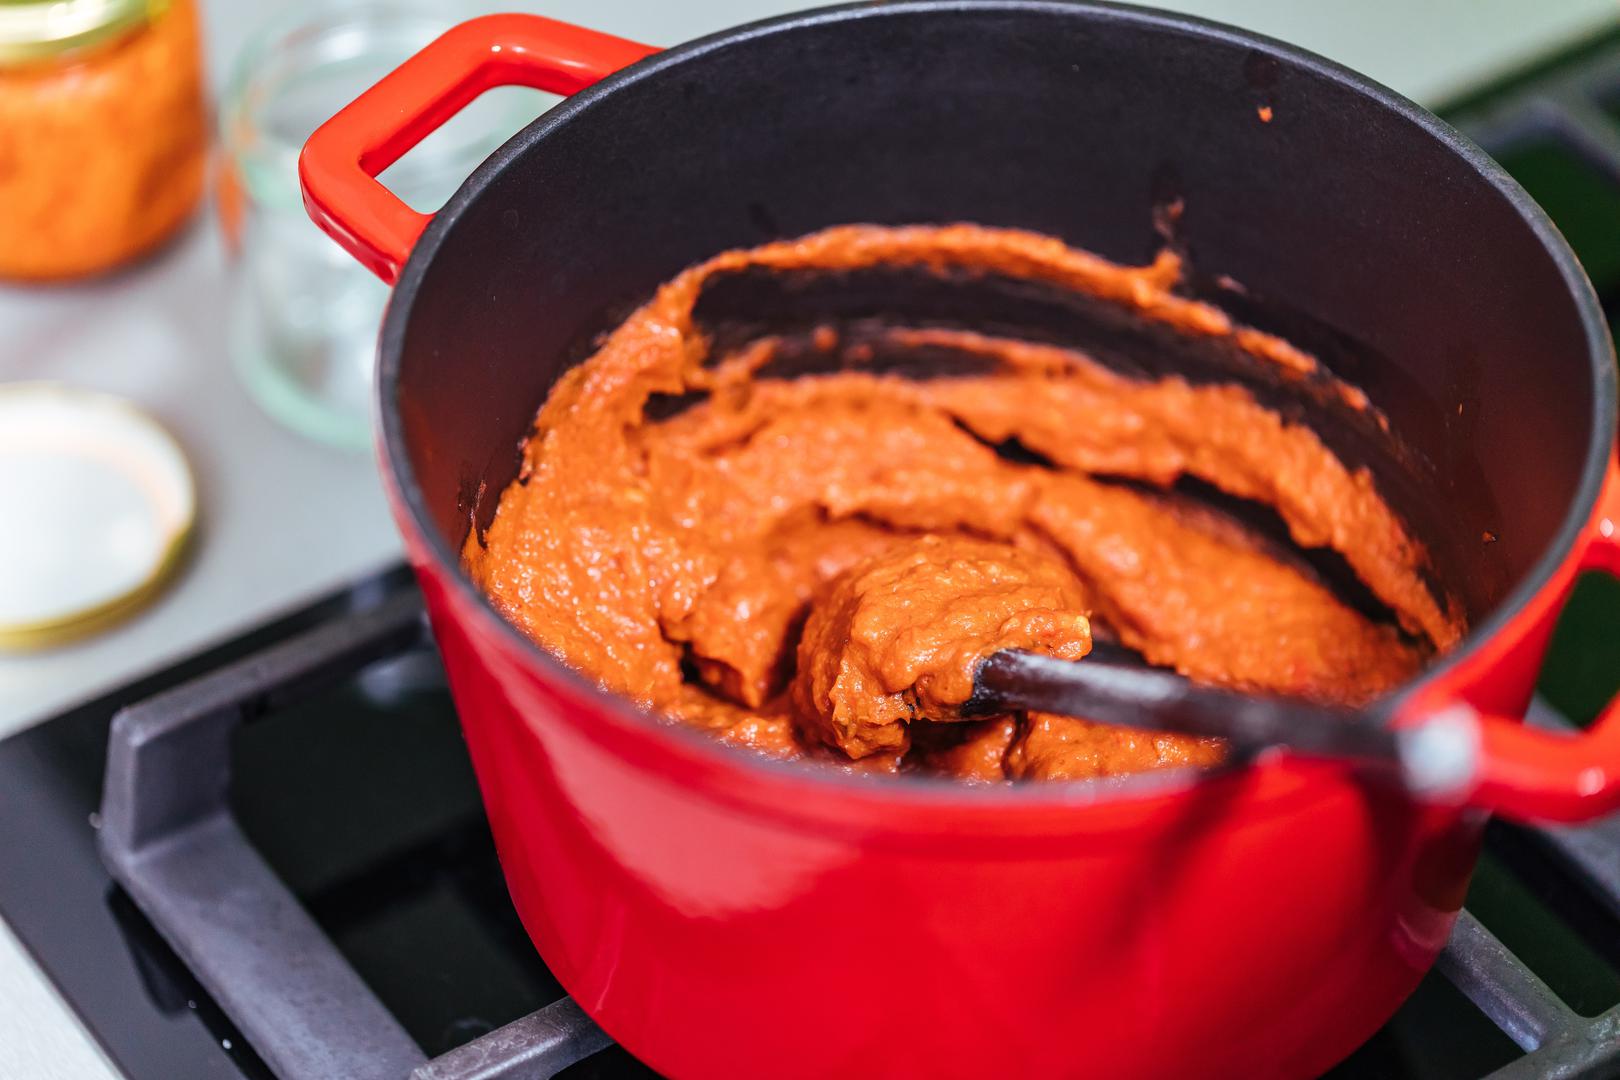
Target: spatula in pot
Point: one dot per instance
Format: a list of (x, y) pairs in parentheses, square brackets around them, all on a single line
[(1437, 754)]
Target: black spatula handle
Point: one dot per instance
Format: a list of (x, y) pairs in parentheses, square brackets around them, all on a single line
[(1157, 700)]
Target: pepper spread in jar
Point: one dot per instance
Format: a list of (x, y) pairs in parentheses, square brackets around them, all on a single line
[(102, 132), (815, 566)]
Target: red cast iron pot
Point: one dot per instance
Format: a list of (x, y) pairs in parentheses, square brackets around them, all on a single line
[(1256, 921)]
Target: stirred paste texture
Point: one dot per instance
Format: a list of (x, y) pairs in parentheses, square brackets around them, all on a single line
[(815, 567), (897, 638)]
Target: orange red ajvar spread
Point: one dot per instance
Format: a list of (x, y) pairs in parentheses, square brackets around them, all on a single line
[(103, 150), (815, 567)]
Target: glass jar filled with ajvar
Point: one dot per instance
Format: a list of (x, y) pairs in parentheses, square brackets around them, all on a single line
[(103, 132)]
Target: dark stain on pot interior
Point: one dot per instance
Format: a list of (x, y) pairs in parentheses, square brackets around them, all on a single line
[(477, 498), (1168, 194), (1261, 70), (470, 495)]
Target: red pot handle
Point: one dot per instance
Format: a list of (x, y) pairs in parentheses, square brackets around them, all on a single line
[(1538, 775), (341, 160)]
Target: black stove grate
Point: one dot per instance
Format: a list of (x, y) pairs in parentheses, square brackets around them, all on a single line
[(170, 837)]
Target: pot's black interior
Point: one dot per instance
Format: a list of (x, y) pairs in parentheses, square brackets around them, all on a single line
[(1349, 226)]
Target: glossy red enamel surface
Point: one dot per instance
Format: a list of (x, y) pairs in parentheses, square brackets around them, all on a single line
[(1536, 774), (668, 891), (723, 916), (340, 162)]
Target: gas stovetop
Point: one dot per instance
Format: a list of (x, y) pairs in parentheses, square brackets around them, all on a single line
[(296, 811), (306, 885)]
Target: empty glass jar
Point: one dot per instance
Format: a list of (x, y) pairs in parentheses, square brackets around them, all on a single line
[(305, 315)]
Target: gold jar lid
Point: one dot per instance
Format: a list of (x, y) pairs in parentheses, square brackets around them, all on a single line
[(96, 504), (40, 29)]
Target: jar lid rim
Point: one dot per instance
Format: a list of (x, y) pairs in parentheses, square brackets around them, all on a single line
[(106, 547), (40, 29)]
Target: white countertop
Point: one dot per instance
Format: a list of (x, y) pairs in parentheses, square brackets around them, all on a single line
[(282, 520)]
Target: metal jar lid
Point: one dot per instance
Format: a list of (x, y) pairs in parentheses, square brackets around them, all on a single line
[(32, 30), (97, 502)]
